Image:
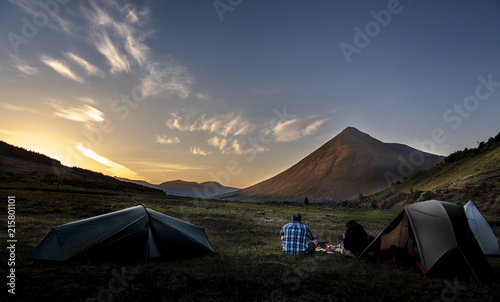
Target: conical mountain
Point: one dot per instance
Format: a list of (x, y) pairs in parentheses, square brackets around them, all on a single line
[(351, 163)]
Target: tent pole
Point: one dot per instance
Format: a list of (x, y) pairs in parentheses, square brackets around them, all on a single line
[(467, 261)]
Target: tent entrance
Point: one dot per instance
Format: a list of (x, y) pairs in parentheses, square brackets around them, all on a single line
[(397, 237)]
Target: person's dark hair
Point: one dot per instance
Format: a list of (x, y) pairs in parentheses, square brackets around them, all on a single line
[(297, 217), (351, 223)]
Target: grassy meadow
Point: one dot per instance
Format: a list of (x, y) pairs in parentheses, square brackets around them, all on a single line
[(247, 265)]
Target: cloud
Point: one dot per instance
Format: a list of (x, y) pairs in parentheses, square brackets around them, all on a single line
[(87, 100), (234, 146), (219, 143), (33, 8), (8, 132), (165, 140), (82, 113), (114, 168), (28, 70), (295, 129), (89, 68), (131, 16), (223, 125), (62, 68), (203, 96), (17, 108), (198, 151), (116, 59), (167, 76), (225, 130), (163, 167), (118, 33)]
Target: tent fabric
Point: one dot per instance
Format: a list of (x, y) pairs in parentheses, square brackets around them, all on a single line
[(398, 236), (133, 233), (438, 232), (481, 230), (430, 223)]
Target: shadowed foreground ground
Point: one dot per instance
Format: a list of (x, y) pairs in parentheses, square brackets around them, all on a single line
[(247, 266)]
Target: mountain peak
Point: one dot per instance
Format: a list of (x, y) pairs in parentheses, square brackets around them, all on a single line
[(350, 129), (351, 163), (352, 132)]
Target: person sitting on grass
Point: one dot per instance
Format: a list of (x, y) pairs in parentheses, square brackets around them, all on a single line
[(294, 237), (354, 241), (355, 238)]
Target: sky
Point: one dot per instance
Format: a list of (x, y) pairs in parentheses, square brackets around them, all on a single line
[(237, 91)]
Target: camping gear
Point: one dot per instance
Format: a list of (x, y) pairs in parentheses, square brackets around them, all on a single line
[(436, 232), (133, 233), (481, 230)]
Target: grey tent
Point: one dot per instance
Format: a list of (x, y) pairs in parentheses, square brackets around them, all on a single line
[(481, 230), (437, 232), (133, 233)]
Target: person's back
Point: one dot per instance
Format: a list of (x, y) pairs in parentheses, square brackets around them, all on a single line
[(355, 237), (294, 236)]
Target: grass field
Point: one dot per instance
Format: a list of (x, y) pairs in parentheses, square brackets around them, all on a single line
[(247, 265)]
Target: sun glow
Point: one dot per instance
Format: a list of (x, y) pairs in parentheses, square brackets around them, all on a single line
[(114, 168)]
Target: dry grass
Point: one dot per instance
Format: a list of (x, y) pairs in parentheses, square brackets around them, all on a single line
[(247, 265)]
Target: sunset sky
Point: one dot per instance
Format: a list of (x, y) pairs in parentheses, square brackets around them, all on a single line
[(238, 90)]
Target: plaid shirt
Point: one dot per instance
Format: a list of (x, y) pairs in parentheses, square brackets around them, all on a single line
[(295, 236)]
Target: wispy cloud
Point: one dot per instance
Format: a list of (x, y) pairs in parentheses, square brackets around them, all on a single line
[(223, 125), (198, 151), (27, 70), (118, 33), (82, 113), (162, 167), (54, 21), (17, 108), (89, 68), (86, 100), (203, 96), (116, 59), (114, 168), (62, 68), (228, 129), (167, 76), (165, 140), (8, 132), (297, 128), (234, 146), (224, 128), (219, 143)]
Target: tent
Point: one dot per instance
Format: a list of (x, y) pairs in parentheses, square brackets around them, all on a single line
[(481, 230), (438, 235), (134, 233)]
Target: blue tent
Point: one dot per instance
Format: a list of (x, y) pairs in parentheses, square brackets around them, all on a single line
[(133, 233)]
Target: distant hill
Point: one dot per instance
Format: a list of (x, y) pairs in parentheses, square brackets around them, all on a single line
[(207, 189), (350, 164), (21, 168), (470, 174)]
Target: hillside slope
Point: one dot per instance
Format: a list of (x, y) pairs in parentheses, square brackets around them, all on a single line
[(474, 176), (350, 164), (24, 169)]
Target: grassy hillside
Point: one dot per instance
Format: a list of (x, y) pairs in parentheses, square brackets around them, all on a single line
[(247, 266), (20, 168), (471, 174)]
